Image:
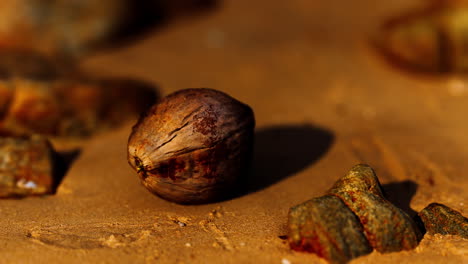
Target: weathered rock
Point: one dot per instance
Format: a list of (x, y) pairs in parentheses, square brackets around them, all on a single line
[(387, 228), (430, 40), (350, 220), (26, 166), (325, 226), (37, 96), (440, 219)]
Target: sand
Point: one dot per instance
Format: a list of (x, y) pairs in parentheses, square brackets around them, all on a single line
[(324, 100)]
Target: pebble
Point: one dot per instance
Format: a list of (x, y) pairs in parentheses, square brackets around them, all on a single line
[(26, 167), (441, 219)]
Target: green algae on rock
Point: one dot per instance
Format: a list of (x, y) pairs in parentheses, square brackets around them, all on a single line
[(441, 219), (356, 220), (26, 166)]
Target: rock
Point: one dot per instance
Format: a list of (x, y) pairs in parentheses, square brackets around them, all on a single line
[(325, 226), (39, 96), (387, 227), (351, 220), (430, 39), (441, 219), (26, 166)]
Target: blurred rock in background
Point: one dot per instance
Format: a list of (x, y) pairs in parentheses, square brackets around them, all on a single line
[(429, 40), (72, 27)]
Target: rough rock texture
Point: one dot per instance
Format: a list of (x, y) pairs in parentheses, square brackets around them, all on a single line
[(26, 166), (325, 226), (38, 96), (441, 219), (356, 220), (387, 227), (194, 146)]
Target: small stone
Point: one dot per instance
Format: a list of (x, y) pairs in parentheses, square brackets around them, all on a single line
[(325, 226), (26, 166), (387, 227), (441, 219)]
